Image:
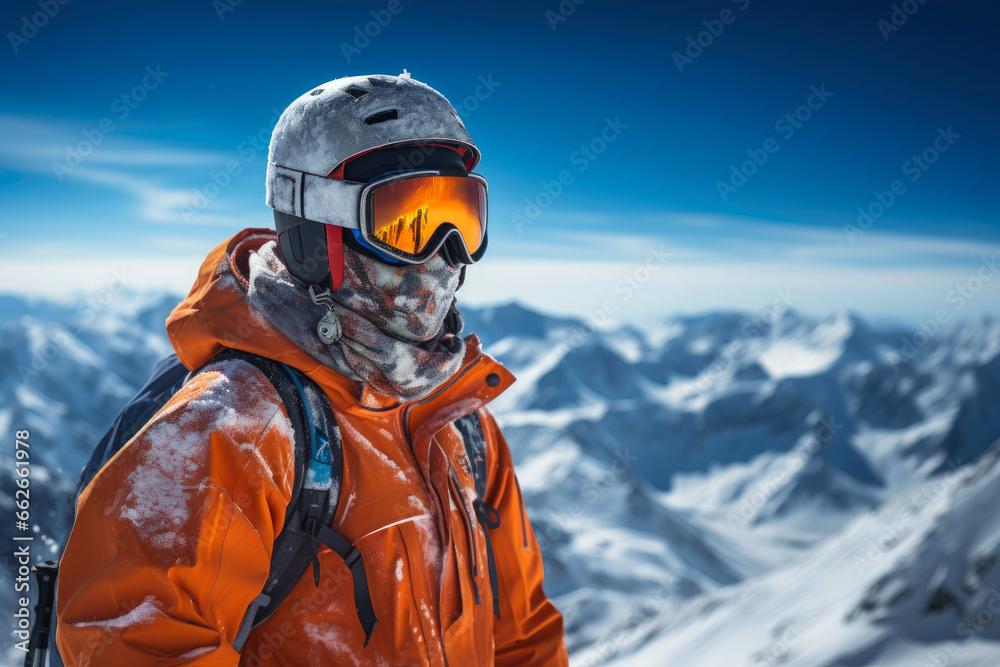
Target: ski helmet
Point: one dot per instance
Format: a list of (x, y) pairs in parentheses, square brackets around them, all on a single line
[(320, 133)]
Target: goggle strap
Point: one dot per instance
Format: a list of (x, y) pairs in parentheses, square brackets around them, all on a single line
[(335, 254), (316, 198)]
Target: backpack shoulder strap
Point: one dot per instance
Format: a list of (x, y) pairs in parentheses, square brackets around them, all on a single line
[(282, 382), (318, 477)]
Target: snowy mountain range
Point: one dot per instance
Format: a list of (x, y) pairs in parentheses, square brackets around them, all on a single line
[(714, 490)]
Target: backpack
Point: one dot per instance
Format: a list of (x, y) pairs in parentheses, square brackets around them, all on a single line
[(315, 493)]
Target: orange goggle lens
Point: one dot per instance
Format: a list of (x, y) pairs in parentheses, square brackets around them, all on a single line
[(404, 215)]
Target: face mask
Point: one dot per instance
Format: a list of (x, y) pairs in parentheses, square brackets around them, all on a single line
[(397, 327), (409, 303)]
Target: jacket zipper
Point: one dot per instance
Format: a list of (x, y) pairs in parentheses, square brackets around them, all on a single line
[(470, 528), (524, 524)]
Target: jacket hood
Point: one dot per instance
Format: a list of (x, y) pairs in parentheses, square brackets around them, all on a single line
[(217, 314)]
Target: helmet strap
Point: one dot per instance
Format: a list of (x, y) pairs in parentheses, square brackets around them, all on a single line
[(335, 254)]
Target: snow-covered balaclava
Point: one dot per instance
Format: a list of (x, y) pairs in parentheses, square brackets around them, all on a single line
[(397, 335), (394, 321)]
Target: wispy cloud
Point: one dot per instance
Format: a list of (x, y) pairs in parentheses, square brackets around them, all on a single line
[(710, 238), (135, 167), (731, 262), (157, 203), (33, 145)]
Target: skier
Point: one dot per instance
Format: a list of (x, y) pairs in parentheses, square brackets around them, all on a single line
[(175, 537)]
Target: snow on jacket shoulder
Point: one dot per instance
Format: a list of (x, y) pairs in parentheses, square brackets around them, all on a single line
[(173, 537)]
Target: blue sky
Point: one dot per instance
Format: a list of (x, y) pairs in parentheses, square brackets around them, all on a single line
[(202, 82)]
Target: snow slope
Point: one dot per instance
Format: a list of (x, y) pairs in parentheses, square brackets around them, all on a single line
[(912, 583)]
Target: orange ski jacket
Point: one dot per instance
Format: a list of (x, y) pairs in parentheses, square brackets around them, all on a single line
[(173, 537)]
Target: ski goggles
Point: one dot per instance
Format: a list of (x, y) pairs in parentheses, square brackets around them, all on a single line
[(410, 216), (406, 216)]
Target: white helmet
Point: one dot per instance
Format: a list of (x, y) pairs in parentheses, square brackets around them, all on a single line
[(342, 119)]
